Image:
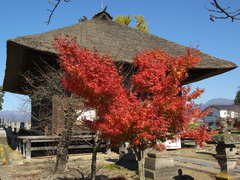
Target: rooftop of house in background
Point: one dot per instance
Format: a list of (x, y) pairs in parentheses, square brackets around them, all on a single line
[(226, 107)]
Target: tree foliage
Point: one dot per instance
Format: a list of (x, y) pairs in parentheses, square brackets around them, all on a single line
[(126, 20), (140, 21), (154, 109), (237, 98), (1, 97), (202, 132)]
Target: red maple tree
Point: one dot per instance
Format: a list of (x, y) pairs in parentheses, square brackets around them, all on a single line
[(201, 134), (156, 107)]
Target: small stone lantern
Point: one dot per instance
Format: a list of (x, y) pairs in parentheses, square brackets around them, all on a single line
[(226, 154)]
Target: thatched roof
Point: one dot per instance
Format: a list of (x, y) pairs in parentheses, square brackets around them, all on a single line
[(121, 41)]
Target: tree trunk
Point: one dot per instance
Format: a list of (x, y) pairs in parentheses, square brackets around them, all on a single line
[(140, 169), (62, 151), (96, 145), (140, 159)]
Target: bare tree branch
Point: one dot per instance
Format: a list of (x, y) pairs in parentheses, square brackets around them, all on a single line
[(54, 110), (84, 18), (52, 11), (219, 9)]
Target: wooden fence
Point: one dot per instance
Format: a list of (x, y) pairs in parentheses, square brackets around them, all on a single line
[(27, 144)]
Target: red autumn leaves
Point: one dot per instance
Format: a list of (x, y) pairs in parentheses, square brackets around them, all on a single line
[(155, 108)]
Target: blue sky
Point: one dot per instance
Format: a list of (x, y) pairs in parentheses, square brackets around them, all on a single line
[(185, 22)]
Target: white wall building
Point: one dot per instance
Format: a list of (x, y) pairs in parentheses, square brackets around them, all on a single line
[(231, 112)]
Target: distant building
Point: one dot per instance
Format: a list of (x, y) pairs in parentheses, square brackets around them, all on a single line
[(229, 112)]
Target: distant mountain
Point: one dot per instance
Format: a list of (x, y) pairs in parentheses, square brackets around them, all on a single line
[(218, 101), (15, 116)]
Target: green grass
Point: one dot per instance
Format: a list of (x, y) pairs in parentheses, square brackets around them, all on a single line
[(218, 135), (111, 167)]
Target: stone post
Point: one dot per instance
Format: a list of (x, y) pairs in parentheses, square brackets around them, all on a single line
[(27, 148), (159, 165), (108, 148), (126, 156)]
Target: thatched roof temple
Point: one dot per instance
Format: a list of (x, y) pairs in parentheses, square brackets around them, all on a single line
[(121, 41)]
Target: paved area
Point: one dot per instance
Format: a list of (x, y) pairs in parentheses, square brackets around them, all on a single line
[(197, 159), (200, 159)]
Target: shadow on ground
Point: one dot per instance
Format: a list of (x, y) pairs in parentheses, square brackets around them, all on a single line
[(182, 177), (179, 177), (97, 178), (206, 153)]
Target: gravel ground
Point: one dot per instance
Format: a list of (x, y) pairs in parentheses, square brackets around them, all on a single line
[(41, 168), (79, 168)]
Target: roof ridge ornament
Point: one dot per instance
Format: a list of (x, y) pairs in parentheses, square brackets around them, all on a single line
[(103, 9), (102, 15)]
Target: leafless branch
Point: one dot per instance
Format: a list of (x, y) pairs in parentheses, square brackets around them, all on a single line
[(52, 11), (219, 9), (84, 18)]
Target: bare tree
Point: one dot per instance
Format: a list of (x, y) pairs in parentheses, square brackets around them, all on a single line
[(225, 12), (55, 6), (54, 110), (84, 18)]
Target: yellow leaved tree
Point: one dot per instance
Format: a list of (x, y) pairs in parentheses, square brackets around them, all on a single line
[(140, 21)]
